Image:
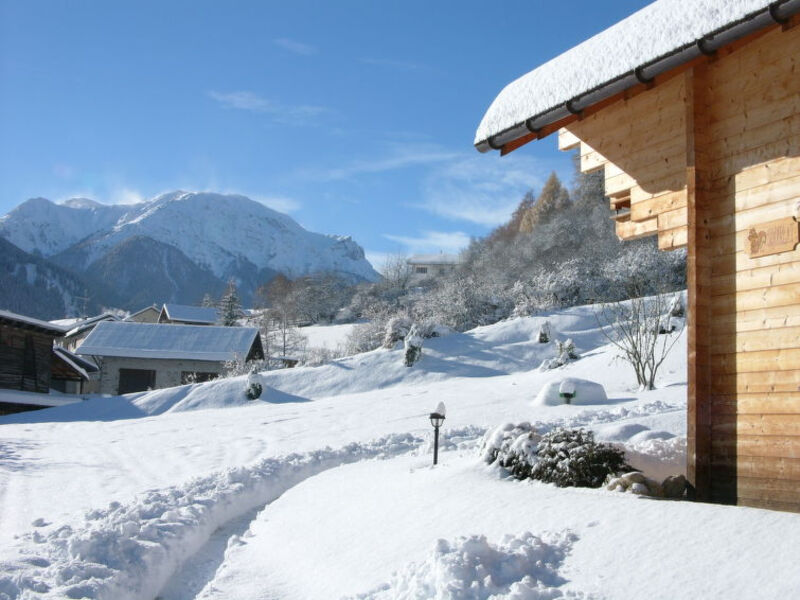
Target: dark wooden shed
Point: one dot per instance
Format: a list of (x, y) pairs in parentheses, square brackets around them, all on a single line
[(26, 348)]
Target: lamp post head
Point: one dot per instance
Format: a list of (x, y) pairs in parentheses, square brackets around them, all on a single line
[(436, 419)]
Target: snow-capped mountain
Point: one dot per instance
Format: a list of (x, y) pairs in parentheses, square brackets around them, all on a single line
[(41, 226), (222, 235)]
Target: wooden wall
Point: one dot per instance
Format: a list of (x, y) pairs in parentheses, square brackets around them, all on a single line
[(697, 160), (24, 359)]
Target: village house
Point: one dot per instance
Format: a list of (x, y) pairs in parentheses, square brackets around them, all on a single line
[(26, 347), (75, 334), (692, 109), (148, 314), (134, 357), (426, 266), (182, 314)]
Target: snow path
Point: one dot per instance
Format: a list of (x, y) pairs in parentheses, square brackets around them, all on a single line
[(129, 552), (201, 568)]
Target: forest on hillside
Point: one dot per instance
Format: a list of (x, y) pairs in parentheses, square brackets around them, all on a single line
[(558, 249)]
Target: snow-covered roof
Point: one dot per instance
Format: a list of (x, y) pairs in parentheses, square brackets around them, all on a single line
[(84, 324), (80, 364), (191, 314), (433, 259), (157, 340), (659, 37), (31, 323)]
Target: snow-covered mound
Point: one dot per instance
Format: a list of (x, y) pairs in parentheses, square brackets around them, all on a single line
[(522, 567), (581, 391)]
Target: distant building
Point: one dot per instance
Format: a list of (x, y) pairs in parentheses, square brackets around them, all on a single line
[(182, 314), (80, 329), (134, 357), (149, 314), (425, 266)]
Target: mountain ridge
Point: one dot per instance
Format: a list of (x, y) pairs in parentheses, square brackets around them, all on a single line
[(223, 236)]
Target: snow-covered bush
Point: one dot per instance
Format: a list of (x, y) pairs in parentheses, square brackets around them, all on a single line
[(571, 458), (497, 442), (544, 332), (254, 387), (316, 357), (238, 366), (365, 337), (397, 329), (565, 352), (566, 457), (413, 347)]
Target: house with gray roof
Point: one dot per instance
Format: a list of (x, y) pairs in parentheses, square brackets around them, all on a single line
[(183, 314), (134, 357)]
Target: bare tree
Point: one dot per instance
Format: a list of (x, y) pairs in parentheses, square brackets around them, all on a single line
[(644, 330)]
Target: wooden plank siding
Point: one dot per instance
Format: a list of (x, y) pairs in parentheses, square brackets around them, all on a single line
[(24, 359), (702, 158)]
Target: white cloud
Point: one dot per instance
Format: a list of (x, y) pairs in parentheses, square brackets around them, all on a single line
[(281, 204), (249, 101), (400, 156), (126, 196), (433, 241), (295, 47), (480, 189)]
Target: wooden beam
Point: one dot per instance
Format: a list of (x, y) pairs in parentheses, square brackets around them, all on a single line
[(698, 276)]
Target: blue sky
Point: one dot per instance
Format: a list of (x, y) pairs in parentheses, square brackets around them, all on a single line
[(355, 118)]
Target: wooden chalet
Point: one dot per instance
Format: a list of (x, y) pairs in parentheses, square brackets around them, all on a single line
[(26, 348), (692, 109)]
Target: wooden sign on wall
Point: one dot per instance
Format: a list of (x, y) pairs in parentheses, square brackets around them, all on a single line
[(772, 237)]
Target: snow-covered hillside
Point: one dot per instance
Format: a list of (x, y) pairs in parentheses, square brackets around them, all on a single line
[(323, 487)]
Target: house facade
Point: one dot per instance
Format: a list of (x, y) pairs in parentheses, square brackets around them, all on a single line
[(698, 135), (431, 266), (74, 337), (148, 314), (134, 357)]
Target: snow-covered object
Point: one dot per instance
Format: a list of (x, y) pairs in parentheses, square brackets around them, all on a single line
[(522, 567), (218, 231), (153, 340), (565, 352), (585, 392), (396, 330), (656, 30), (544, 333), (441, 409), (413, 347), (635, 482)]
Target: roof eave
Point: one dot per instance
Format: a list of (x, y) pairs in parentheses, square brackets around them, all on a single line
[(537, 125)]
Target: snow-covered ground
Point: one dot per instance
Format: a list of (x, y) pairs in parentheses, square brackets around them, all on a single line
[(327, 336), (322, 488)]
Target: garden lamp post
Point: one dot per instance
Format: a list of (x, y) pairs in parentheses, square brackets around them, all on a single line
[(437, 418)]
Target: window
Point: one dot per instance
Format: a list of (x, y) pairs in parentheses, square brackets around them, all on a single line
[(136, 380), (421, 270)]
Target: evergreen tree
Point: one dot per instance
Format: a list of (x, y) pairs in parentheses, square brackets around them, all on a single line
[(207, 301), (230, 306)]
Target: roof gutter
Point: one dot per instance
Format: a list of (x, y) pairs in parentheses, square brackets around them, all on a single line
[(777, 12)]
